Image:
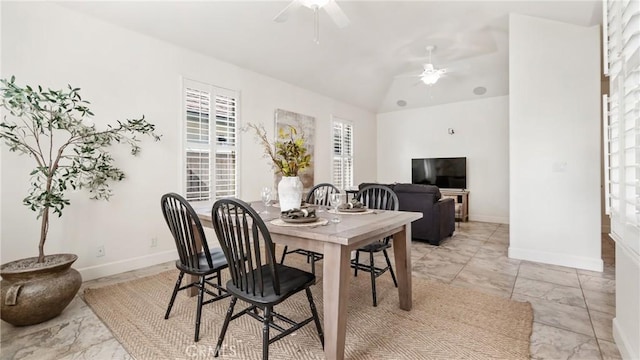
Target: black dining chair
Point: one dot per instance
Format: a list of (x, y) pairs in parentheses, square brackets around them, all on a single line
[(194, 255), (311, 199), (383, 198), (256, 277)]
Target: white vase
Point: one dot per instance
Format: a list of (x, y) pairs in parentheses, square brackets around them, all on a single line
[(290, 193)]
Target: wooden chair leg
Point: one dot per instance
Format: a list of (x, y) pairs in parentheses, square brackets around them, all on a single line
[(199, 309), (227, 318), (314, 312), (355, 273), (173, 296), (393, 275), (265, 333), (284, 253), (372, 269)]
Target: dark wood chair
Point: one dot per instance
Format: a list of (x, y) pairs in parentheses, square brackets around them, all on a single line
[(383, 198), (256, 277), (311, 199), (194, 259)]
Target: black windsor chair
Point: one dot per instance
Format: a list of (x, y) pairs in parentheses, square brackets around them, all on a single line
[(311, 199), (203, 262), (256, 279), (383, 198)]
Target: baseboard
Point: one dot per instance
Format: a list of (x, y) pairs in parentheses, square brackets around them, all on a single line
[(117, 267), (626, 351), (579, 262), (489, 219)]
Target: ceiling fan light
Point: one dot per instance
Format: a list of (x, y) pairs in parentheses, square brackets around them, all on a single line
[(311, 4), (430, 78)]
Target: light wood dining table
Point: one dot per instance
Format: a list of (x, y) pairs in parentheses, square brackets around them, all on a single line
[(336, 241)]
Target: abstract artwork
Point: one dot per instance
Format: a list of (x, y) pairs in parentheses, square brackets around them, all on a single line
[(303, 123)]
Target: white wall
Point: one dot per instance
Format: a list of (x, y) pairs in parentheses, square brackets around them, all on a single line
[(554, 149), (125, 74), (481, 135)]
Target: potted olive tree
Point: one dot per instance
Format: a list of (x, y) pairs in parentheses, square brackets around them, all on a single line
[(70, 152)]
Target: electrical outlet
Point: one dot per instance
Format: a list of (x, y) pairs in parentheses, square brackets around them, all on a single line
[(100, 251), (154, 242)]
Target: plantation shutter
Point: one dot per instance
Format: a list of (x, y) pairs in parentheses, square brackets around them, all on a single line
[(226, 147), (210, 176), (198, 164), (622, 54), (342, 168)]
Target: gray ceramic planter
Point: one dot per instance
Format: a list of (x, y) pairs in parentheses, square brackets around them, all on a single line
[(33, 294)]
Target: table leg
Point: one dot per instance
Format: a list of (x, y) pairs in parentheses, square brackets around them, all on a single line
[(335, 284), (402, 255)]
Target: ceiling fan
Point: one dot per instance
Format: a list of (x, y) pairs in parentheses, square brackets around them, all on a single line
[(430, 75), (330, 6)]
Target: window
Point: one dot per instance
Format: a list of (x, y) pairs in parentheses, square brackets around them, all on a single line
[(210, 176), (623, 125), (342, 153)]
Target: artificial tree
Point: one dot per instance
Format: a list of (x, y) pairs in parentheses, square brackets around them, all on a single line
[(54, 128)]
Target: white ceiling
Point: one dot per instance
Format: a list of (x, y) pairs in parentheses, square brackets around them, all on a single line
[(359, 64)]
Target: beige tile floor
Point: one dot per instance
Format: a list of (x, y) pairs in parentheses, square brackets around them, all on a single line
[(573, 309)]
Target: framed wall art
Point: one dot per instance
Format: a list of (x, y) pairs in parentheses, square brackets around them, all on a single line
[(306, 125)]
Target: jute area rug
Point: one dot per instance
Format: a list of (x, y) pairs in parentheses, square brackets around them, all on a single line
[(446, 322)]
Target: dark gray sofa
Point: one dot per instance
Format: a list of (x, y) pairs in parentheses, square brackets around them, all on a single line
[(438, 215)]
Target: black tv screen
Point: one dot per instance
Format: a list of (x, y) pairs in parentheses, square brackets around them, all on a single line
[(446, 173)]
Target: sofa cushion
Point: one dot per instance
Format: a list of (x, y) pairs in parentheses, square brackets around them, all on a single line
[(418, 188), (363, 185)]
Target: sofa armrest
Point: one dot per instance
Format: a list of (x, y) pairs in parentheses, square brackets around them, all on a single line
[(446, 216)]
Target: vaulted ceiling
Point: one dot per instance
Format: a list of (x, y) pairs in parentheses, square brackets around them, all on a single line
[(372, 63)]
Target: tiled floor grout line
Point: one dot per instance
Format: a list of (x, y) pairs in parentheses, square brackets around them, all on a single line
[(472, 256), (513, 288), (593, 328), (465, 265)]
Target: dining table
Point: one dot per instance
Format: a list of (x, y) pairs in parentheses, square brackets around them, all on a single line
[(336, 241)]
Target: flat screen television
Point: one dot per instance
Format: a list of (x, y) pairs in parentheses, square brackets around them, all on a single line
[(446, 173)]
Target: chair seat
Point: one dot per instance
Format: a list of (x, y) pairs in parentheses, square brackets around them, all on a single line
[(375, 246), (217, 259), (291, 281)]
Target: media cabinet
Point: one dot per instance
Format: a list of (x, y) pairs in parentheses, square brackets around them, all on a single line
[(461, 197)]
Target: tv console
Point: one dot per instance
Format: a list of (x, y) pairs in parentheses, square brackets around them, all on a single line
[(462, 198)]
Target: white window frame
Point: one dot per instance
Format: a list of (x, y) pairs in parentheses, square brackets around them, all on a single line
[(340, 180), (217, 97)]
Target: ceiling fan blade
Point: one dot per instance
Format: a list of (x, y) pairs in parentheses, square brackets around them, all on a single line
[(413, 74), (284, 14), (336, 14)]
